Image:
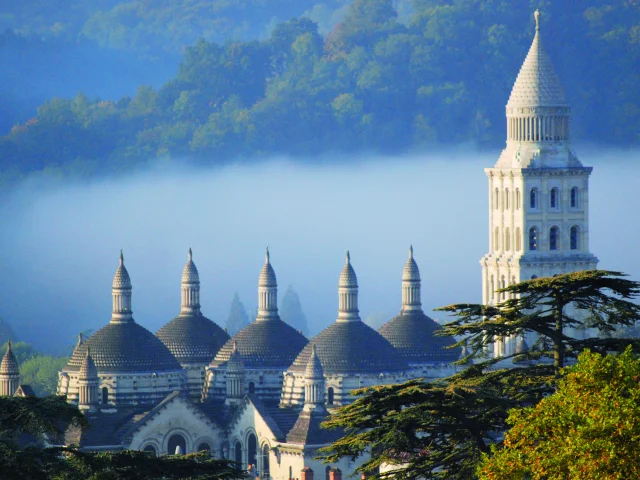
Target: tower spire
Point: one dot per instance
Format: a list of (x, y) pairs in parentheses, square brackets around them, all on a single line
[(190, 288), (348, 293), (313, 382), (411, 285), (267, 291), (536, 15), (9, 373), (121, 295)]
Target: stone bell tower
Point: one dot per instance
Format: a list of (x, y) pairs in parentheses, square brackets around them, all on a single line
[(538, 189)]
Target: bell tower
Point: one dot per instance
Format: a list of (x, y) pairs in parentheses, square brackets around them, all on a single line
[(538, 189)]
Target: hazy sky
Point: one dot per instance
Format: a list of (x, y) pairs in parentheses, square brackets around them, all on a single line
[(61, 240)]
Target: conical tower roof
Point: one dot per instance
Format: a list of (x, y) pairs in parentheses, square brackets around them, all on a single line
[(235, 363), (537, 84), (190, 272), (9, 365), (88, 368), (121, 278), (314, 366), (348, 275), (411, 272), (267, 275)]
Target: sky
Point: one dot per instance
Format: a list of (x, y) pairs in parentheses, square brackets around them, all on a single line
[(61, 238)]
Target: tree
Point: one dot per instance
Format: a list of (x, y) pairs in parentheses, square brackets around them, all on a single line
[(291, 311), (440, 430), (587, 430), (238, 318), (25, 422), (41, 373)]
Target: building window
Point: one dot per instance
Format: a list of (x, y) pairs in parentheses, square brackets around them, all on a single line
[(330, 395), (503, 285), (518, 240), (265, 461), (252, 451), (238, 452), (507, 239), (554, 199), (252, 387), (506, 199), (533, 198), (496, 199), (105, 395), (533, 238), (497, 239), (261, 380), (574, 197), (574, 237), (151, 450), (517, 199), (553, 238), (177, 444), (204, 447), (493, 288)]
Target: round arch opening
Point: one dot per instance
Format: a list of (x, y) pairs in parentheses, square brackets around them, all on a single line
[(176, 441)]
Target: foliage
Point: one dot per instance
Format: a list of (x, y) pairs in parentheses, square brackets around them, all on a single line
[(21, 350), (587, 430), (41, 373), (373, 82), (440, 430), (25, 422), (238, 318), (291, 311)]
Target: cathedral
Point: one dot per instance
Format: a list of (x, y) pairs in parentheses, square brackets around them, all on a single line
[(259, 397)]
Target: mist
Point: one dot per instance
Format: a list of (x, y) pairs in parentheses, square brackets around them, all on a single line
[(61, 238)]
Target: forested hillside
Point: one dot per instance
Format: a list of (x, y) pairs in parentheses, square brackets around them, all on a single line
[(375, 82)]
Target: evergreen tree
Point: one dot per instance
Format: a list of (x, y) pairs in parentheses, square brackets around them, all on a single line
[(238, 318), (291, 311), (441, 429)]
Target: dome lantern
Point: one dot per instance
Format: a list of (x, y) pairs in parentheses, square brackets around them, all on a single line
[(314, 396), (190, 288), (348, 293), (267, 292), (9, 373), (121, 294), (411, 285)]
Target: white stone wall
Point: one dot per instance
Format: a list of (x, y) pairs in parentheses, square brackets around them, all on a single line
[(128, 388), (265, 382)]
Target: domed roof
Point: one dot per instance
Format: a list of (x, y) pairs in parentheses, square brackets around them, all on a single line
[(411, 273), (88, 368), (348, 275), (264, 343), (124, 347), (351, 347), (121, 278), (235, 363), (314, 366), (193, 339), (190, 272), (413, 336), (267, 276), (537, 84), (9, 365)]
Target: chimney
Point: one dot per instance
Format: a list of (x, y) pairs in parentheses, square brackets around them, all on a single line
[(335, 474), (306, 474)]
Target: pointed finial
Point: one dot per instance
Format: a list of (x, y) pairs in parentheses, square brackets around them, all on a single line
[(410, 251), (348, 258), (313, 350), (190, 254), (536, 15), (9, 346), (80, 339), (267, 256), (88, 351), (121, 258), (235, 346)]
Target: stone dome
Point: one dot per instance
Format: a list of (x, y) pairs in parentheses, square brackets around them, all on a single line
[(124, 348), (351, 347), (537, 84), (9, 365), (264, 343), (413, 336), (193, 339)]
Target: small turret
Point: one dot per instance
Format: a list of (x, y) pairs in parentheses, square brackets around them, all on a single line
[(314, 396), (235, 377), (411, 285), (9, 373), (190, 288), (267, 291), (88, 383)]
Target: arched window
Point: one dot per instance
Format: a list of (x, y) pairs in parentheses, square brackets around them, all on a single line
[(553, 238), (507, 239), (252, 387), (574, 197), (204, 447), (533, 238), (574, 238), (533, 198), (176, 443), (265, 461), (330, 394), (554, 199), (238, 452), (252, 450), (496, 199), (151, 450), (517, 199), (506, 199), (497, 239), (261, 380), (518, 240), (105, 395)]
